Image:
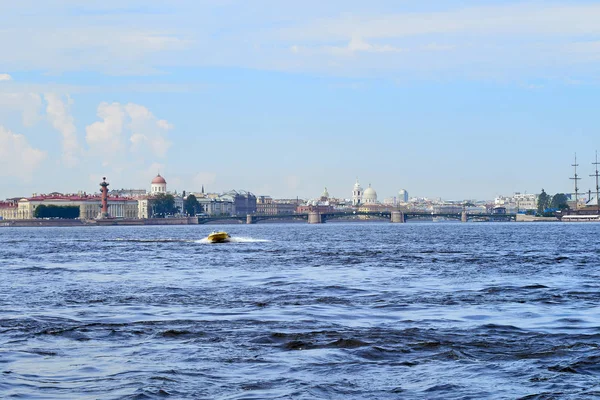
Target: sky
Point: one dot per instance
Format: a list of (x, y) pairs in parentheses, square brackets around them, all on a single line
[(458, 99)]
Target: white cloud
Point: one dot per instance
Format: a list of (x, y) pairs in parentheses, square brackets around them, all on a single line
[(516, 19), (336, 37), (106, 137), (111, 49), (5, 77), (62, 120), (28, 104), (127, 135), (163, 124), (359, 45), (17, 157), (153, 139)]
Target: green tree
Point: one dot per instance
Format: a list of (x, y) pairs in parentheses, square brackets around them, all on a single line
[(52, 211), (162, 205), (559, 201), (543, 202), (192, 206), (40, 211)]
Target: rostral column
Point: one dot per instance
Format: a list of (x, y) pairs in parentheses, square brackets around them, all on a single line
[(104, 190)]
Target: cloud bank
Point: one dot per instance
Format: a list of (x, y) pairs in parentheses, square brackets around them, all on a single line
[(17, 157)]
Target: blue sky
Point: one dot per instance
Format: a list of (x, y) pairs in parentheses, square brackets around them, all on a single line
[(451, 99)]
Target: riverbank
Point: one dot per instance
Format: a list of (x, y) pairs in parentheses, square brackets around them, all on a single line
[(533, 218), (100, 222)]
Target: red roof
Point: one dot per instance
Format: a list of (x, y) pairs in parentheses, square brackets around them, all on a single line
[(75, 197), (159, 179)]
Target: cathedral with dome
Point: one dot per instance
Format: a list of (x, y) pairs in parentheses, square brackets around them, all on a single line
[(158, 185), (360, 196)]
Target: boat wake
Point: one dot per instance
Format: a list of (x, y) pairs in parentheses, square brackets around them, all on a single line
[(235, 239), (151, 240)]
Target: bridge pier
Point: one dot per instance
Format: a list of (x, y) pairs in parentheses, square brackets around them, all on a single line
[(463, 216), (314, 217), (250, 219), (397, 217)]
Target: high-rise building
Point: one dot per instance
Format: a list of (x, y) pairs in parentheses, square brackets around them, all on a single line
[(403, 196)]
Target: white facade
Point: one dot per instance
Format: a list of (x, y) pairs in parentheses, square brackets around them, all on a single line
[(517, 202), (369, 196), (357, 194), (217, 206), (158, 185), (143, 208), (88, 206)]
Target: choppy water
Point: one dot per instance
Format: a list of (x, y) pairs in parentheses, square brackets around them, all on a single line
[(340, 311)]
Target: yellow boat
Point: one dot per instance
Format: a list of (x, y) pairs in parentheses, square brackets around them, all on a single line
[(218, 237)]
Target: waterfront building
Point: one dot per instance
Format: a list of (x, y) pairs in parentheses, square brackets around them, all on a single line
[(525, 201), (158, 185), (518, 202), (8, 209), (357, 193), (215, 206), (360, 196), (265, 205), (244, 201), (143, 208), (89, 205)]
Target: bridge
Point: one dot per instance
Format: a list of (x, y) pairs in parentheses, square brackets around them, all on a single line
[(393, 216)]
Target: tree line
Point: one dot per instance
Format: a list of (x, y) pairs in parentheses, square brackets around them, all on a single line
[(163, 204), (52, 211), (547, 205)]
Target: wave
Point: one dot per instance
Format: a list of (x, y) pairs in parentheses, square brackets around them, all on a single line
[(236, 239), (152, 240)]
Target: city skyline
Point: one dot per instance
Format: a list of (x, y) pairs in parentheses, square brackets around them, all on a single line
[(456, 100)]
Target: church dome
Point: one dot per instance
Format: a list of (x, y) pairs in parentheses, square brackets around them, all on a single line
[(158, 180), (325, 193), (369, 195)]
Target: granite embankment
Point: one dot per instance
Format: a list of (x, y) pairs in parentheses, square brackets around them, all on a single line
[(103, 222)]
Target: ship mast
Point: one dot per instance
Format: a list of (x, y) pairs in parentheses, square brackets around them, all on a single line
[(597, 187), (576, 178)]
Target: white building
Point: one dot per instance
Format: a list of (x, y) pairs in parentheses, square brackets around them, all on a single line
[(369, 196), (360, 196), (118, 207), (357, 193), (158, 185), (517, 202), (525, 201), (215, 205)]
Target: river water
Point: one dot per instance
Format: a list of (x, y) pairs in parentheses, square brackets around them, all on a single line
[(298, 311)]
